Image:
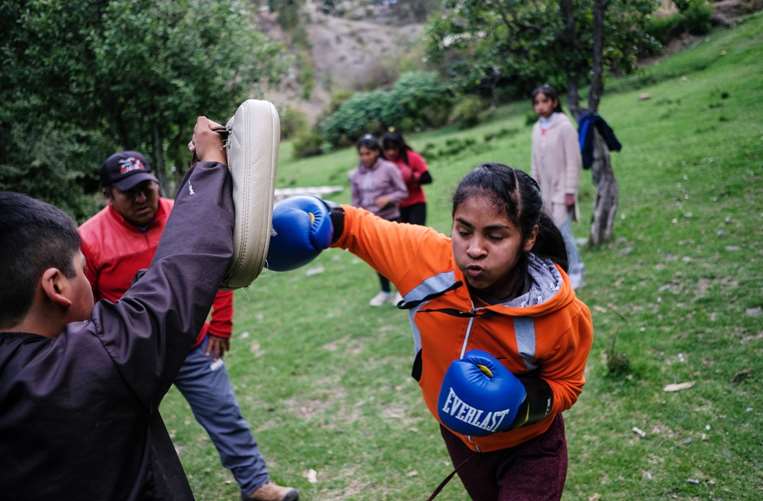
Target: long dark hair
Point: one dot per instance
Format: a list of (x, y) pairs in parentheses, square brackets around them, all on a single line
[(518, 195), (550, 93), (394, 140)]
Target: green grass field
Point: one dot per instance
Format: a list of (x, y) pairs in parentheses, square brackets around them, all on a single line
[(324, 379)]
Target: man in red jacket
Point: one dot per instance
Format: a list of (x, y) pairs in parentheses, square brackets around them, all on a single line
[(120, 241)]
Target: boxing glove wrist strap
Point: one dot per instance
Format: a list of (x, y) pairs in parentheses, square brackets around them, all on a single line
[(537, 404)]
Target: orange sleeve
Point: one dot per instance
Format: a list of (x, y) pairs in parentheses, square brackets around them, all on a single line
[(392, 249), (221, 324), (564, 371)]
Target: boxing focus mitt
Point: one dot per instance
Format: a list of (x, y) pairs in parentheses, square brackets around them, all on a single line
[(479, 396), (301, 230)]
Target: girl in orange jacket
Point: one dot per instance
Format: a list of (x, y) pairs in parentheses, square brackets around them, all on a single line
[(497, 285)]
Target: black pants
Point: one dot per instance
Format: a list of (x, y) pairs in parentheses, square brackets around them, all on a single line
[(414, 214)]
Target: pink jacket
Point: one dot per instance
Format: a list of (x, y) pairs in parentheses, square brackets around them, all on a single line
[(556, 160), (383, 178)]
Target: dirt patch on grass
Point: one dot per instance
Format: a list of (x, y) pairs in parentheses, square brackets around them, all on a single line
[(346, 344)]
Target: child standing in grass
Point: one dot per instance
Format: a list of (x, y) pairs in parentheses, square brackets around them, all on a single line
[(556, 165), (500, 340), (413, 168), (378, 187)]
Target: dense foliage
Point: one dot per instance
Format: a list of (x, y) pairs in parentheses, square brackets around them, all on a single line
[(416, 101), (693, 16), (81, 79), (501, 49)]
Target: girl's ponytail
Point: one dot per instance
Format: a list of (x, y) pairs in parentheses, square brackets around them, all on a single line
[(549, 242)]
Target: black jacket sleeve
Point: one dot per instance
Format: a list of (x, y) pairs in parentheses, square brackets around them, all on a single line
[(149, 332)]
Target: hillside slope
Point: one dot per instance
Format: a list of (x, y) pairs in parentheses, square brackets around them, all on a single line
[(348, 52)]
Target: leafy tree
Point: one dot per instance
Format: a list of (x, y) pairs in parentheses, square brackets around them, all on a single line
[(183, 57), (514, 45), (99, 75), (504, 48)]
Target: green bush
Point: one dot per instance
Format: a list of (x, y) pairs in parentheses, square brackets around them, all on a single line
[(467, 112), (293, 122), (693, 17), (418, 99), (338, 98), (665, 28), (422, 97), (696, 17), (307, 143)]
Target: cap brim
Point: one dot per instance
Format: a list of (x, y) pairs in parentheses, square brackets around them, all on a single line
[(130, 182)]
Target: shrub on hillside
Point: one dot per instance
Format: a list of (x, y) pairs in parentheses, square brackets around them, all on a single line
[(418, 99), (307, 143), (696, 17), (293, 122), (422, 97), (665, 28), (338, 98), (693, 16), (355, 117), (467, 112)]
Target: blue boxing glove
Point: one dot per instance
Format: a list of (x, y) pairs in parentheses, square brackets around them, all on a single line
[(479, 396), (301, 230)]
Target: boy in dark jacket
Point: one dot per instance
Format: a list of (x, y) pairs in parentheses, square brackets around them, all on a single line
[(80, 385)]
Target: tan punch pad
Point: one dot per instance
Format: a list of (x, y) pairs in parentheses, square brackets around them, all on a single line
[(254, 134)]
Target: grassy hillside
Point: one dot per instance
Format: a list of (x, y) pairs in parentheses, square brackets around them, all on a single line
[(324, 379)]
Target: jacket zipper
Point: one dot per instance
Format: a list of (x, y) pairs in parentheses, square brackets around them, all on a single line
[(463, 350)]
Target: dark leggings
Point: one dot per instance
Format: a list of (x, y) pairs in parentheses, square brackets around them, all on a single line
[(414, 214), (533, 470)]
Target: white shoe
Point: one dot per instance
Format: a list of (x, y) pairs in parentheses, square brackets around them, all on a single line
[(381, 298), (254, 133), (396, 299)]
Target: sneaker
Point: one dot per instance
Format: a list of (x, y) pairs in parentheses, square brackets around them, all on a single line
[(270, 491), (254, 133), (381, 298), (397, 298)]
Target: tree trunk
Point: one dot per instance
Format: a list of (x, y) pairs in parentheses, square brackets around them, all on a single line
[(605, 207), (569, 37), (573, 97), (158, 154), (597, 60)]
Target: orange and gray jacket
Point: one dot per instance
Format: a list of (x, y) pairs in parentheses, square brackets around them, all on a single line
[(546, 332)]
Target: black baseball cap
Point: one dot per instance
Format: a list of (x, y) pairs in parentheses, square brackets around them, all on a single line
[(126, 169)]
